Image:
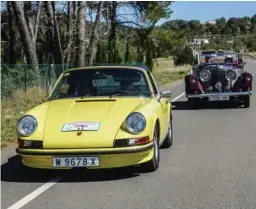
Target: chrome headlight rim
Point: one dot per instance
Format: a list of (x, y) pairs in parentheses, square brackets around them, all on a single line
[(19, 123), (205, 71), (234, 73), (131, 130)]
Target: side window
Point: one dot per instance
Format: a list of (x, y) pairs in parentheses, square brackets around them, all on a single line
[(153, 83)]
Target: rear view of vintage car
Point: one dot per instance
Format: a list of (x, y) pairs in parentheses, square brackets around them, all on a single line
[(219, 80)]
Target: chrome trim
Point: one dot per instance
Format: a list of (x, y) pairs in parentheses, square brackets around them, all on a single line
[(219, 94)]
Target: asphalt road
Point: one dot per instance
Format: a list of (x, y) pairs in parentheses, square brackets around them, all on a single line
[(212, 164)]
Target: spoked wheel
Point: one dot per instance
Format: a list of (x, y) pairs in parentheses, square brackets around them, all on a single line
[(153, 164)]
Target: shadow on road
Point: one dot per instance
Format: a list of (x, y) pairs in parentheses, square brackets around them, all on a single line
[(184, 105), (14, 171)]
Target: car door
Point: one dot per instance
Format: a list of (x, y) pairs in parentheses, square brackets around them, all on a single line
[(163, 105)]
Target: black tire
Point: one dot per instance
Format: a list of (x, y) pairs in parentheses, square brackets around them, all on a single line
[(169, 138), (153, 164), (193, 103), (246, 100)]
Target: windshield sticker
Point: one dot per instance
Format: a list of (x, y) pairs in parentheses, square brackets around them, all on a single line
[(81, 126)]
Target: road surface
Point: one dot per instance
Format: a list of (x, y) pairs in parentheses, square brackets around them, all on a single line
[(212, 164)]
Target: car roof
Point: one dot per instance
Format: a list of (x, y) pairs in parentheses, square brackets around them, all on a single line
[(107, 66)]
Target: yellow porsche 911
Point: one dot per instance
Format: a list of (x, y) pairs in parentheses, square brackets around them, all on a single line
[(98, 117)]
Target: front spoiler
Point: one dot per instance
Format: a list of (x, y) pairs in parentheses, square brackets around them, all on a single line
[(219, 94)]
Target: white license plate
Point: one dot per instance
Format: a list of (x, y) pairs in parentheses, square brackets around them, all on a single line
[(218, 98), (75, 162)]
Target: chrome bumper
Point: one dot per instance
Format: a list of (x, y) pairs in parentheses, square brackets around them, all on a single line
[(219, 94)]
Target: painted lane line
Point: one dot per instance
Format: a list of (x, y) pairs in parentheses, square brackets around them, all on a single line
[(176, 98), (35, 193)]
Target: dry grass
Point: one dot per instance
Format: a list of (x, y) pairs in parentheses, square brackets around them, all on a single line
[(19, 102), (13, 108), (165, 72), (252, 53)]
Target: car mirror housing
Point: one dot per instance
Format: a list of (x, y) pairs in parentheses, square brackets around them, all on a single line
[(166, 94)]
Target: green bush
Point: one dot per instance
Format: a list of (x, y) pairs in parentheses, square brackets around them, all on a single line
[(183, 56)]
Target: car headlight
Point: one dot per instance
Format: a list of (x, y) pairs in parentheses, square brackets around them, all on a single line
[(231, 75), (205, 75), (135, 123), (27, 125)]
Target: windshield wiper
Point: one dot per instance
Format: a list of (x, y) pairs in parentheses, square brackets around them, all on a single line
[(130, 92)]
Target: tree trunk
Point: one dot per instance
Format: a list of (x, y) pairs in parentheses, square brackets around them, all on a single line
[(112, 36), (74, 19), (80, 41), (92, 43), (70, 27), (55, 48), (28, 44), (28, 17), (13, 42), (37, 19)]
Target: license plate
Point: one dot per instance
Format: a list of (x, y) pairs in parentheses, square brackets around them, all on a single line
[(75, 162), (218, 98)]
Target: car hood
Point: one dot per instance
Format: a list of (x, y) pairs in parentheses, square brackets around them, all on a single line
[(109, 113)]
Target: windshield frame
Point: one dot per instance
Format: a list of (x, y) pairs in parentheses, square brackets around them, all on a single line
[(60, 80)]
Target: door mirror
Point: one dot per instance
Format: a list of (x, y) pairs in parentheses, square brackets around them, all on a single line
[(166, 94)]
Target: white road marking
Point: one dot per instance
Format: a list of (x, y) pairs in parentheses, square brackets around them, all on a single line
[(176, 98), (35, 193)]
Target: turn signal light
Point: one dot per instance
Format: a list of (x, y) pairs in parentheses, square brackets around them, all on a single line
[(131, 142), (30, 144)]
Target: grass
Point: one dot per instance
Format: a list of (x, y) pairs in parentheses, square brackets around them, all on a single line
[(165, 72), (19, 102), (252, 53), (13, 108)]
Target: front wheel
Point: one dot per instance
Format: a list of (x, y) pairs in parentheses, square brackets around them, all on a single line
[(153, 164), (246, 100), (169, 138)]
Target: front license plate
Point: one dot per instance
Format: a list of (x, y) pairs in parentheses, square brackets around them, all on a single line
[(75, 162), (218, 98)]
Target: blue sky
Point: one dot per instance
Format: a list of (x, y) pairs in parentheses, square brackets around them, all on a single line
[(210, 10)]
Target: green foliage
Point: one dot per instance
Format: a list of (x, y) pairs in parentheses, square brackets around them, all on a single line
[(183, 56)]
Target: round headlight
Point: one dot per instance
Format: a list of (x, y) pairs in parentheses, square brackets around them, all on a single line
[(27, 125), (205, 75), (135, 123), (231, 75)]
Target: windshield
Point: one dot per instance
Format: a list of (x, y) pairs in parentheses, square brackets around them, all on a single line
[(102, 82)]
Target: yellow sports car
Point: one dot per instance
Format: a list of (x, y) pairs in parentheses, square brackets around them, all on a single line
[(98, 117)]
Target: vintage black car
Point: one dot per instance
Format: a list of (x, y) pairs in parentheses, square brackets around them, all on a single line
[(219, 81)]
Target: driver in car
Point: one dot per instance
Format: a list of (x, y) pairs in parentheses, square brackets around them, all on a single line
[(228, 59)]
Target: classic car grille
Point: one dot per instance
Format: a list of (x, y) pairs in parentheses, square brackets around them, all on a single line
[(218, 76)]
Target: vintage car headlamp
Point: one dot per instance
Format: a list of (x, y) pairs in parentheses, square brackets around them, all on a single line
[(135, 123), (231, 75), (205, 75), (27, 125)]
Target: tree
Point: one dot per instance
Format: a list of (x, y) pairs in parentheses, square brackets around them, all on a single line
[(80, 41), (27, 42)]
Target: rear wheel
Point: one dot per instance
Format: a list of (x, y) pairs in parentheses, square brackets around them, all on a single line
[(153, 164)]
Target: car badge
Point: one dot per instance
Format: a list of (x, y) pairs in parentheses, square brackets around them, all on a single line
[(218, 85)]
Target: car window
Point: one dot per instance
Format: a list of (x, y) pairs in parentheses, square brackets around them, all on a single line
[(103, 82)]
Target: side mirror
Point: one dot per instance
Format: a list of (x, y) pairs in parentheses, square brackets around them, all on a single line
[(166, 94)]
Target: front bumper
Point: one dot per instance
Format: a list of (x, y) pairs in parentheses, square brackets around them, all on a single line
[(219, 94), (109, 157)]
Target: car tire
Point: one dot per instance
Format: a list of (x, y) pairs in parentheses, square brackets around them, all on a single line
[(246, 100), (153, 164), (169, 138), (193, 103)]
